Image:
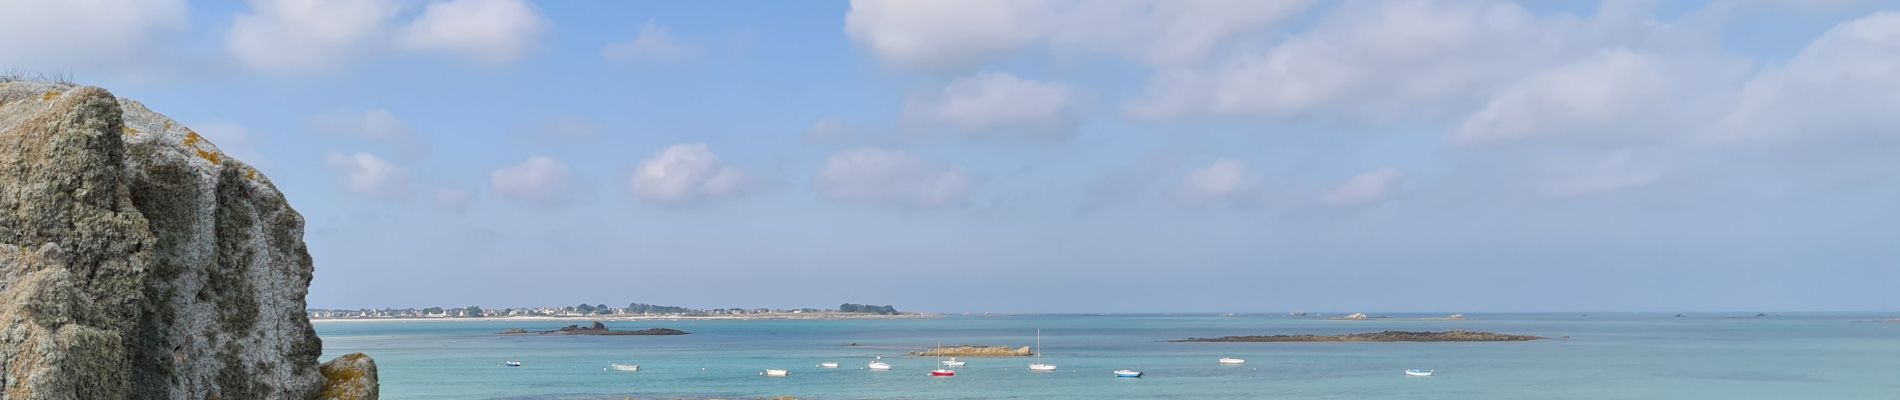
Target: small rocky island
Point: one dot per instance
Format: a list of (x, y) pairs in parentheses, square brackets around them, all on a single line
[(1386, 336), (598, 329), (975, 351)]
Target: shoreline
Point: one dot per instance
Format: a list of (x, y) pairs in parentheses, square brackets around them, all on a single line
[(612, 318)]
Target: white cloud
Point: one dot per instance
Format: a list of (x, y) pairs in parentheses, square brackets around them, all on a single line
[(654, 44), (957, 36), (379, 125), (827, 131), (1366, 188), (453, 199), (941, 35), (1579, 177), (893, 178), (375, 125), (55, 35), (367, 174), (488, 31), (301, 36), (1223, 182), (685, 173), (539, 181), (1844, 83), (996, 104)]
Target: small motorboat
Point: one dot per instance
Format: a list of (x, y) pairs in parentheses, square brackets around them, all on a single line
[(776, 372), (1419, 372), (1232, 361), (952, 362), (1127, 373), (943, 372), (624, 367), (828, 364), (511, 364), (878, 364)]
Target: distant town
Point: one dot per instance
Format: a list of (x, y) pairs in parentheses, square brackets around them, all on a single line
[(603, 311)]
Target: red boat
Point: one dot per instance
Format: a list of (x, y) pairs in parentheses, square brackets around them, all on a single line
[(943, 372)]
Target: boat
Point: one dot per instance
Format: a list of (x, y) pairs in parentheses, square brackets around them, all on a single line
[(624, 367), (1232, 361), (952, 362), (878, 364), (828, 364), (1127, 373), (1038, 365), (1418, 372), (943, 372), (511, 364), (777, 372)]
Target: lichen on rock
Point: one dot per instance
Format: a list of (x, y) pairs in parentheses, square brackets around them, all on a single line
[(138, 261), (350, 377)]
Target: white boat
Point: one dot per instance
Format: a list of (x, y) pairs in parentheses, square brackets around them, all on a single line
[(1232, 361), (878, 364), (828, 364), (952, 362), (777, 372), (511, 364), (1038, 365), (624, 367), (1419, 372), (1127, 373)]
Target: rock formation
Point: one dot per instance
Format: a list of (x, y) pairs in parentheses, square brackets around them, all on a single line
[(597, 329), (137, 261), (1386, 336), (975, 351)]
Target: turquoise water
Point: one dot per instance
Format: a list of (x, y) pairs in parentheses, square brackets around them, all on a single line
[(1607, 356)]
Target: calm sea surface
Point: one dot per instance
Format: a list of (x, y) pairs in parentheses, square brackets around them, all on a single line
[(1607, 356)]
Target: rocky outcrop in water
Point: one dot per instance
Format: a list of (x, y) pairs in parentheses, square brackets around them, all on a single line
[(138, 261), (597, 329), (975, 351), (1386, 336)]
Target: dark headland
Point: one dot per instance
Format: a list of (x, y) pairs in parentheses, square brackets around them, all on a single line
[(598, 329), (1386, 336)]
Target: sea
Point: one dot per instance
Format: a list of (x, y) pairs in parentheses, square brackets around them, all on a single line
[(1589, 356)]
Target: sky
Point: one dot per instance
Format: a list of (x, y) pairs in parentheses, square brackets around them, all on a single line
[(1043, 156)]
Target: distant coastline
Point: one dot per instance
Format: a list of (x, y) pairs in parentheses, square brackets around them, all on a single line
[(584, 318)]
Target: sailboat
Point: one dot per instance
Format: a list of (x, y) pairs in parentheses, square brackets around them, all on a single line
[(1038, 365), (878, 364)]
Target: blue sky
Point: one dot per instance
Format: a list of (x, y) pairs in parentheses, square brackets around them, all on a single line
[(1043, 155)]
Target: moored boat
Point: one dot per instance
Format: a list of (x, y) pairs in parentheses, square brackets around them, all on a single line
[(828, 364), (777, 372), (624, 367), (952, 362), (1232, 361), (1419, 372), (1038, 365), (511, 364), (878, 364), (1127, 373), (943, 372)]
